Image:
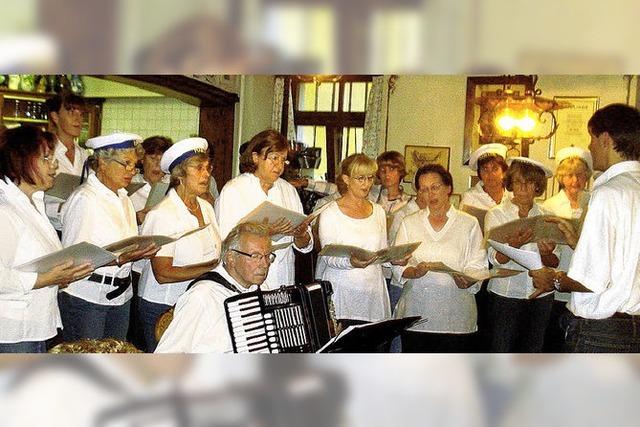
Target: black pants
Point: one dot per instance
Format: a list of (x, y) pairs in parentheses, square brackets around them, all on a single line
[(612, 335), (428, 342), (554, 337), (518, 325)]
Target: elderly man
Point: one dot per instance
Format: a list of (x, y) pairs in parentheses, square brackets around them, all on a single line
[(604, 277), (199, 324)]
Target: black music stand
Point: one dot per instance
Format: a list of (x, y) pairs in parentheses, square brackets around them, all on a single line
[(369, 337)]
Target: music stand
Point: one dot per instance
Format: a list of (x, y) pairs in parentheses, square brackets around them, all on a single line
[(369, 337)]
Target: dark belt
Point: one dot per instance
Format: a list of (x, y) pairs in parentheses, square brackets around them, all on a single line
[(121, 284), (618, 315)]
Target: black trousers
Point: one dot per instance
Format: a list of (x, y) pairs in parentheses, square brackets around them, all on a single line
[(518, 325), (428, 342)]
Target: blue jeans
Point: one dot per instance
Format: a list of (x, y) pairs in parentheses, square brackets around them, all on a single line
[(24, 347), (518, 325), (83, 319), (148, 314), (612, 335)]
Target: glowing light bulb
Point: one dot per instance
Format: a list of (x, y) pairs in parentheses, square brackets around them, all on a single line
[(527, 123), (506, 122)]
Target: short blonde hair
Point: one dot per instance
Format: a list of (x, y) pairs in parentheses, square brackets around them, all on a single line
[(570, 165), (356, 165)]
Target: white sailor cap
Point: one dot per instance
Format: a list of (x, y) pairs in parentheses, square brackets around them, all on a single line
[(547, 172), (581, 153), (181, 151), (115, 140), (493, 148)]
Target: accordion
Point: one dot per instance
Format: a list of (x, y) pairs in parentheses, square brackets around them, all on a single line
[(291, 319)]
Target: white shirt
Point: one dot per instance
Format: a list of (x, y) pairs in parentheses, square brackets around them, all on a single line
[(139, 198), (95, 214), (171, 217), (478, 198), (199, 322), (396, 219), (607, 256), (26, 314), (435, 296), (560, 205), (519, 286), (243, 194), (358, 293), (380, 195), (53, 204)]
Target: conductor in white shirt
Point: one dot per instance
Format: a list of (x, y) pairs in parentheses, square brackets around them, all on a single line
[(604, 274), (264, 161), (199, 323)]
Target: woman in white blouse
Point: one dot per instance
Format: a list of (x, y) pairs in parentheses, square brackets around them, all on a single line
[(29, 312), (446, 302), (359, 289), (167, 275), (264, 161), (518, 323), (100, 212), (489, 162), (573, 170)]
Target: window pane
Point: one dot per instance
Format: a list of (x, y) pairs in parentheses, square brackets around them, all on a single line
[(326, 96), (307, 97), (347, 97), (351, 141), (358, 95), (314, 136)]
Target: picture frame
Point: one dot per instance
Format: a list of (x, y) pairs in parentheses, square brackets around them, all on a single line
[(572, 123), (417, 155), (476, 86)]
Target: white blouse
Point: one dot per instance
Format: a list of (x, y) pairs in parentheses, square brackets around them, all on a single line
[(478, 198), (171, 217), (519, 286), (435, 296), (243, 194), (607, 256), (560, 205), (26, 314), (95, 214), (358, 293)]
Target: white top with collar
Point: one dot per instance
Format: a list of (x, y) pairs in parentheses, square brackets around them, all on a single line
[(243, 194), (607, 256), (53, 204), (171, 217), (358, 293), (478, 198), (199, 322), (435, 296), (519, 286), (26, 314), (95, 214)]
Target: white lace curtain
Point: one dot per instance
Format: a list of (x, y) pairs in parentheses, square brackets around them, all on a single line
[(276, 115), (373, 135)]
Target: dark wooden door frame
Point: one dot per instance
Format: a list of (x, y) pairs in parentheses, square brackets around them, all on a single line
[(217, 112)]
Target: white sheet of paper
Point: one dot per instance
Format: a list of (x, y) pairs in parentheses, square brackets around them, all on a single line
[(63, 186), (391, 253), (273, 213), (79, 253), (129, 243), (528, 259), (156, 194)]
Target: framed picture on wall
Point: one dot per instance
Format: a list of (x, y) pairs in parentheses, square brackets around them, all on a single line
[(572, 123), (418, 155)]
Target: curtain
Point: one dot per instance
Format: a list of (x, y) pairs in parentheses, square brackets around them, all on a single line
[(278, 103), (373, 137)]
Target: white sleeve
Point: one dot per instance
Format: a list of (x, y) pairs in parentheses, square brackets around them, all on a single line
[(327, 232), (78, 221), (227, 213), (475, 255), (12, 282), (298, 204), (155, 223), (490, 222)]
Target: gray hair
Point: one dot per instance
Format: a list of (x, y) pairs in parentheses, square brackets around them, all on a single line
[(179, 170), (232, 241), (107, 154)]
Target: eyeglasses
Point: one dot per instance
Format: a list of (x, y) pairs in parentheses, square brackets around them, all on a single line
[(363, 179), (523, 183), (433, 189), (202, 167), (258, 257), (127, 166), (51, 160), (277, 159)]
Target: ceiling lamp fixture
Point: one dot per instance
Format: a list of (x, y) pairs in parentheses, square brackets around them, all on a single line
[(512, 117)]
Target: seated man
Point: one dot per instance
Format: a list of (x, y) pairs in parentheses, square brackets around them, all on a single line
[(199, 324)]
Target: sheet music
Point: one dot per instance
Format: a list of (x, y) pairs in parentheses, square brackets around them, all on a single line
[(475, 276), (133, 187), (79, 253), (63, 186), (130, 243), (528, 259), (273, 213), (538, 224), (156, 194), (384, 255)]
